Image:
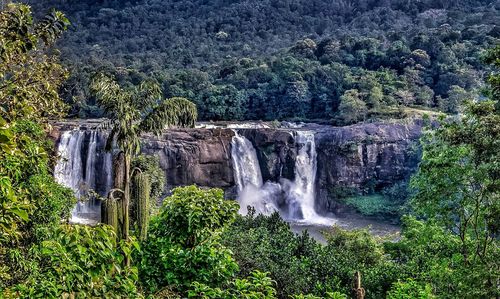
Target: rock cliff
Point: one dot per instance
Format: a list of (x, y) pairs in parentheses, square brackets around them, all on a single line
[(362, 156)]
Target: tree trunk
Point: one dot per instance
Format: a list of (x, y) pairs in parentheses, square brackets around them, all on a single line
[(141, 191), (126, 203), (359, 292), (119, 183), (110, 213)]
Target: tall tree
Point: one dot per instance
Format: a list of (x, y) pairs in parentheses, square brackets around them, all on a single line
[(458, 182), (30, 75), (134, 111), (31, 202)]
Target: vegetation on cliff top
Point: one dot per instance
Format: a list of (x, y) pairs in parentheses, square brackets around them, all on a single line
[(340, 61)]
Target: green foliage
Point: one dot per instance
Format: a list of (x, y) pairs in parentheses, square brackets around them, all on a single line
[(31, 202), (371, 205), (191, 214), (409, 290), (457, 183), (430, 254), (395, 52), (109, 213), (150, 165), (133, 111), (389, 203), (30, 76), (457, 189), (351, 109), (183, 244), (139, 109), (329, 295), (258, 285), (299, 264), (82, 261)]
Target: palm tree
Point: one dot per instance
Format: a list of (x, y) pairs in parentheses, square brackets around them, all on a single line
[(132, 112)]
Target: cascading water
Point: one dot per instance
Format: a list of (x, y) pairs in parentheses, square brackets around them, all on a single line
[(248, 177), (108, 172), (68, 171), (91, 158), (81, 173), (245, 163), (295, 200), (300, 197)]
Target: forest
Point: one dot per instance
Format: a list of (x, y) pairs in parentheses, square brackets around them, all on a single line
[(249, 60), (340, 62)]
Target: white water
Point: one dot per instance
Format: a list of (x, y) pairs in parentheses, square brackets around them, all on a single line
[(245, 163), (302, 192), (294, 200), (69, 172), (301, 195), (251, 190), (91, 158), (108, 171)]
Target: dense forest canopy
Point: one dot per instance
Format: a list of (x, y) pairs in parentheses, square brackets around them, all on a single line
[(250, 59)]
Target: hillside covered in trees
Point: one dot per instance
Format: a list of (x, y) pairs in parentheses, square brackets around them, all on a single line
[(342, 61)]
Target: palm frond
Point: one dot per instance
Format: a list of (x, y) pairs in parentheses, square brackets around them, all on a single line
[(108, 93), (174, 112), (147, 94)]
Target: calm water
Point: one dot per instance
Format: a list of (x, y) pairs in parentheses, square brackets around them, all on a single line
[(349, 221)]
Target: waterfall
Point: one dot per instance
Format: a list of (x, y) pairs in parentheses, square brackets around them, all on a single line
[(108, 172), (295, 200), (245, 163), (68, 170), (80, 173), (301, 195), (248, 178), (91, 158)]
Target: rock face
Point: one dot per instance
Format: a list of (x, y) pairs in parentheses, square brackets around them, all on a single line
[(368, 156), (194, 156), (276, 151), (361, 156)]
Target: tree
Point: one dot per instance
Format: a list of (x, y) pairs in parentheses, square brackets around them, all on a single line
[(31, 202), (183, 244), (134, 111), (458, 183), (457, 96), (258, 285), (30, 75), (80, 262), (351, 109)]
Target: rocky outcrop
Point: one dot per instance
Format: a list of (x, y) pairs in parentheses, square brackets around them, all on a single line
[(276, 151), (194, 156), (361, 156), (368, 156)]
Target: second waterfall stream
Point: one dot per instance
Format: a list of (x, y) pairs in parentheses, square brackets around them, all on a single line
[(295, 199)]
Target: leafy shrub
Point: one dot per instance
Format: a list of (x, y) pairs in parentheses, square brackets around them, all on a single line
[(301, 265), (151, 166), (409, 290), (183, 244), (371, 205), (80, 260), (258, 286), (428, 254)]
